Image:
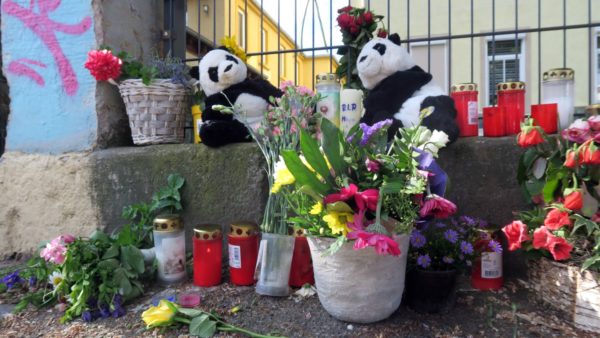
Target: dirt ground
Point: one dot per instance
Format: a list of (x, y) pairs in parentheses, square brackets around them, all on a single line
[(510, 312)]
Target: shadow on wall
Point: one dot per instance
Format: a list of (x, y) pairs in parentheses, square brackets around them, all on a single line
[(4, 105)]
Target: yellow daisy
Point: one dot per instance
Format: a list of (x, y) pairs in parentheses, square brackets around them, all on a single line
[(282, 176), (316, 209), (337, 221)]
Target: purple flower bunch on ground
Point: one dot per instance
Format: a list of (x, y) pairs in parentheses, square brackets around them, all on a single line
[(102, 310), (13, 279)]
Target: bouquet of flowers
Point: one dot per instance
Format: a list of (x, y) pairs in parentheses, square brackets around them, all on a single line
[(361, 188), (561, 176)]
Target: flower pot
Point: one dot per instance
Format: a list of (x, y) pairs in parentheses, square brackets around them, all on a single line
[(273, 265), (358, 286), (430, 291)]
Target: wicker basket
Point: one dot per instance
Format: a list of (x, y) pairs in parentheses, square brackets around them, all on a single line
[(156, 112)]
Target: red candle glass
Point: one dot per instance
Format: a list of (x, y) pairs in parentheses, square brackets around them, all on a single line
[(493, 122), (511, 96), (243, 251), (301, 271), (486, 272), (208, 253), (546, 116), (465, 101)]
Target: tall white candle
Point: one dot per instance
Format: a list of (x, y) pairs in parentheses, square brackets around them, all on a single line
[(351, 108)]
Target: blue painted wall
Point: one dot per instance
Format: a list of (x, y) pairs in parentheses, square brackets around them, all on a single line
[(52, 95)]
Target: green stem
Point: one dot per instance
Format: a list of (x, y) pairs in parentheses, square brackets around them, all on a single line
[(182, 320), (231, 328)]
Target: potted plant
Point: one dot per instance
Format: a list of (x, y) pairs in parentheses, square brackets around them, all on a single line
[(351, 194), (560, 176), (156, 95)]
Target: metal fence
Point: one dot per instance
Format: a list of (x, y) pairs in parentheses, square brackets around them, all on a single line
[(179, 36)]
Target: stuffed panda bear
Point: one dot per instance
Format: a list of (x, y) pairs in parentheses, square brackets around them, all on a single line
[(400, 89), (223, 78)]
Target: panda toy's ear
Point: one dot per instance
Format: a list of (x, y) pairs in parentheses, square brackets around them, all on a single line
[(223, 48), (195, 72), (395, 38)]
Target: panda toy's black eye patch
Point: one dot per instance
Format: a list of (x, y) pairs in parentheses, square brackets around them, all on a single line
[(380, 48), (231, 58), (362, 58), (213, 74)]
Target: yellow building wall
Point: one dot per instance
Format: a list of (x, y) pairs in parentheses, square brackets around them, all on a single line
[(578, 40)]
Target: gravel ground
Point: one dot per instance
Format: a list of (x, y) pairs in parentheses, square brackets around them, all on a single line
[(507, 313)]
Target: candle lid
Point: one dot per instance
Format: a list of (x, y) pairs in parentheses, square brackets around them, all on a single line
[(559, 74), (167, 223), (327, 78), (207, 231), (593, 109), (243, 229), (463, 87), (514, 85)]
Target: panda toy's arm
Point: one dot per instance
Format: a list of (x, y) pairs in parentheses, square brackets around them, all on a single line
[(258, 87)]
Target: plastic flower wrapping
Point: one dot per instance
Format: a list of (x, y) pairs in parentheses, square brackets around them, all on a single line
[(361, 187), (560, 177)]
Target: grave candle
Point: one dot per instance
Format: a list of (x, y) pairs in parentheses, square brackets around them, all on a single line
[(208, 253)]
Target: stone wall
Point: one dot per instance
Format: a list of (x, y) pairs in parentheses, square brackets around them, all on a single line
[(4, 104)]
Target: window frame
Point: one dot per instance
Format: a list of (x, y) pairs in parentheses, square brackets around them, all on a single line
[(488, 58), (242, 28)]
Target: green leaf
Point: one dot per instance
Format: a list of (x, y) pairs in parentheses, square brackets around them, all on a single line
[(331, 146), (339, 207), (112, 252), (108, 264), (392, 186), (302, 174), (202, 326), (313, 155), (590, 261), (580, 221), (132, 257), (549, 189), (100, 236), (190, 312), (175, 181)]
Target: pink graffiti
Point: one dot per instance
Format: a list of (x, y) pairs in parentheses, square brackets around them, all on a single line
[(20, 67), (46, 28)]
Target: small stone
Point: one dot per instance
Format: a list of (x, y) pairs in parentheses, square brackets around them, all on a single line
[(350, 327)]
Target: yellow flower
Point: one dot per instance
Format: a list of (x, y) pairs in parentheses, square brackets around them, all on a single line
[(337, 221), (282, 176), (161, 315), (316, 209), (231, 44)]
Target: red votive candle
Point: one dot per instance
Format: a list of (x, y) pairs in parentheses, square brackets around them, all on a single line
[(511, 96), (465, 101), (301, 271), (208, 253), (546, 116), (243, 251), (493, 122), (486, 271)]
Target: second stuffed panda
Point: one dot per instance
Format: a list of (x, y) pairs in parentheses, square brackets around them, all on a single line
[(399, 89)]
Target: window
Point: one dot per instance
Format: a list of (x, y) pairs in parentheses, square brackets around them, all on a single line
[(263, 46), (439, 60), (507, 64), (242, 29)]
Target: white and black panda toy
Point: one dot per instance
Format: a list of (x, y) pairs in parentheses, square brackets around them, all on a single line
[(223, 78), (400, 89)]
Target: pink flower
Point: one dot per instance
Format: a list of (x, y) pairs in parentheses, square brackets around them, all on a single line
[(345, 194), (276, 131), (304, 91), (594, 122), (578, 131), (367, 199), (516, 233), (285, 84), (67, 239), (437, 207), (384, 245), (103, 65), (372, 165), (540, 238), (55, 251)]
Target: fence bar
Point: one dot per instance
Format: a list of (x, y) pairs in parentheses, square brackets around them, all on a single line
[(429, 36), (295, 42), (564, 34), (262, 38), (199, 42), (472, 41), (388, 15), (229, 29), (246, 26), (279, 56), (449, 44), (539, 52), (214, 23), (492, 68), (517, 45), (312, 80), (330, 36), (408, 24), (590, 67)]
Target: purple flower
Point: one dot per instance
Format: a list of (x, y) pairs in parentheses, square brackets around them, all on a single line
[(119, 311), (104, 311), (440, 225), (466, 248), (117, 300), (12, 279), (448, 260), (468, 221), (424, 261), (372, 165), (32, 281), (87, 316), (451, 235), (369, 131), (495, 246), (417, 240)]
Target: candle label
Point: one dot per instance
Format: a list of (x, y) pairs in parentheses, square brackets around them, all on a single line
[(350, 115), (329, 107), (472, 112), (235, 256), (491, 265), (171, 256)]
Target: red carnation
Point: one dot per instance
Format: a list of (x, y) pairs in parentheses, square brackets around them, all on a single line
[(345, 194), (529, 137), (103, 65), (344, 21), (382, 33), (556, 219), (540, 238), (368, 18), (559, 247), (572, 159), (574, 200), (516, 233), (367, 199)]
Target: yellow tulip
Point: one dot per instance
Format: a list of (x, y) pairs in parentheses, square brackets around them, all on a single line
[(161, 315), (337, 221)]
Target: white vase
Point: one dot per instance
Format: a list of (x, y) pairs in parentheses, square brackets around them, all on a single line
[(274, 264), (358, 286)]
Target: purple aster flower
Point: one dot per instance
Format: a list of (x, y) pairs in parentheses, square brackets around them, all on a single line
[(466, 248), (440, 225), (451, 235), (32, 281), (117, 300), (119, 311), (424, 261), (12, 279), (369, 131), (417, 240), (87, 316), (495, 246), (468, 221), (104, 311), (448, 260)]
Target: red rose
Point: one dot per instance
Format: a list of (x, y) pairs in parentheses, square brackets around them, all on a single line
[(589, 153), (344, 21), (529, 137), (540, 238), (559, 247), (382, 33), (574, 200), (103, 65), (359, 21), (516, 233), (437, 207), (572, 159), (345, 9), (556, 219), (368, 18), (354, 29)]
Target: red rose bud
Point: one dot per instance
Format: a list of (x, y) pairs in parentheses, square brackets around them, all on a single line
[(529, 137), (368, 17), (559, 247), (556, 219), (574, 200), (589, 153), (344, 21), (345, 9), (382, 33), (516, 233), (359, 20), (572, 159), (353, 29)]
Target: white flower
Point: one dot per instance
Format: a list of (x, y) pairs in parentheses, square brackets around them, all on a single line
[(437, 140), (55, 278)]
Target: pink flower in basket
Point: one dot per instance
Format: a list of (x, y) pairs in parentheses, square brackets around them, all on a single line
[(578, 131), (103, 65)]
